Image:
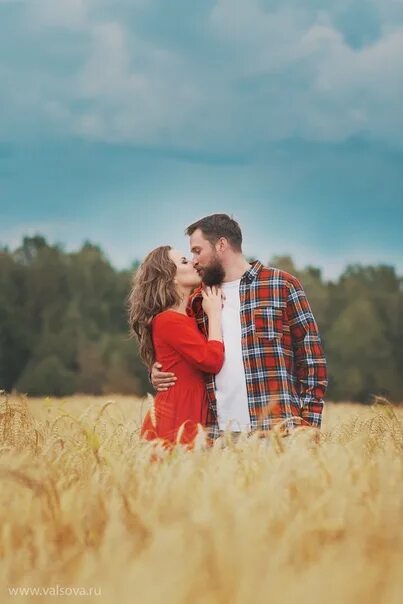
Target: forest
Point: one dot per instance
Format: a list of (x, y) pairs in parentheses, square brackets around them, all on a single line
[(63, 324)]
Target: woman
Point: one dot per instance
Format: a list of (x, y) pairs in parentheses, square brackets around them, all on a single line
[(157, 315)]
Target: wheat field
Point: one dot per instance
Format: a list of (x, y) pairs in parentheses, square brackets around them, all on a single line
[(294, 520)]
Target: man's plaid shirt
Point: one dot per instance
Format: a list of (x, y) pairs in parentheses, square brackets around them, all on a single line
[(285, 366)]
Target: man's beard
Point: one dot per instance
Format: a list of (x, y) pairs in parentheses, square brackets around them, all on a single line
[(213, 274)]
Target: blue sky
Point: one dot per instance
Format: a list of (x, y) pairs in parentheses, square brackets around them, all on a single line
[(122, 122)]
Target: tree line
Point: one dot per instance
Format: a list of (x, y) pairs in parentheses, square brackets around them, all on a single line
[(63, 325)]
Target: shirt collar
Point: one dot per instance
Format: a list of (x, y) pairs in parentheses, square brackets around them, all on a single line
[(251, 274)]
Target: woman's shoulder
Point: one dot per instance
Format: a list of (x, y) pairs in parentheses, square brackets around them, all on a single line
[(170, 316), (170, 322)]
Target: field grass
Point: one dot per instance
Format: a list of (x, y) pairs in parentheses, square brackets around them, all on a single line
[(262, 520)]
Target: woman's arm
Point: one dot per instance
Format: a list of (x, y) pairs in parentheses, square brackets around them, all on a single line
[(212, 306), (182, 334)]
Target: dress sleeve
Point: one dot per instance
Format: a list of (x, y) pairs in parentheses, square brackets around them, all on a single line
[(185, 338)]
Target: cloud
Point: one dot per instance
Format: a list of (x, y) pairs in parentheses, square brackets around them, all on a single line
[(259, 72), (67, 14), (147, 104), (316, 86)]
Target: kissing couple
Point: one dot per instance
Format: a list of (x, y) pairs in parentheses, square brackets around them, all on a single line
[(230, 345)]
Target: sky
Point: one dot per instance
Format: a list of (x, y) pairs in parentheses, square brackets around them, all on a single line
[(121, 122)]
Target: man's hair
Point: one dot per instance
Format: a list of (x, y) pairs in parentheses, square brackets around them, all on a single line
[(218, 225)]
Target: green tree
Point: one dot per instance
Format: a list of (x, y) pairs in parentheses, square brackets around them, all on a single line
[(63, 324), (47, 376)]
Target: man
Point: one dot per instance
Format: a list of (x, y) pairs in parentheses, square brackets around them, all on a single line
[(274, 371)]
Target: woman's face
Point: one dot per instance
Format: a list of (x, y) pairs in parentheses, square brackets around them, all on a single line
[(186, 274)]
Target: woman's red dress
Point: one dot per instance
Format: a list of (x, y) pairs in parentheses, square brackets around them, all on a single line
[(182, 349)]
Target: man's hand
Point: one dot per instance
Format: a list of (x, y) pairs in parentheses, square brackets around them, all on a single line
[(162, 380)]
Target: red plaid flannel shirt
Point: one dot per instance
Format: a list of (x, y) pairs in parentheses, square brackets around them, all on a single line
[(285, 366)]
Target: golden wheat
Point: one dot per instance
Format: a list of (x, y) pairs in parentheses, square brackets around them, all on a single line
[(260, 520)]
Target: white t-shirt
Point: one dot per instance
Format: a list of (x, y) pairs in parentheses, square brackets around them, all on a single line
[(231, 393)]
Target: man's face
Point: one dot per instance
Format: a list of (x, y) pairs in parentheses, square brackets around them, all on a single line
[(206, 259)]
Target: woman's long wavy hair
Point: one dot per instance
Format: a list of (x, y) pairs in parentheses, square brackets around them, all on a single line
[(153, 290)]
